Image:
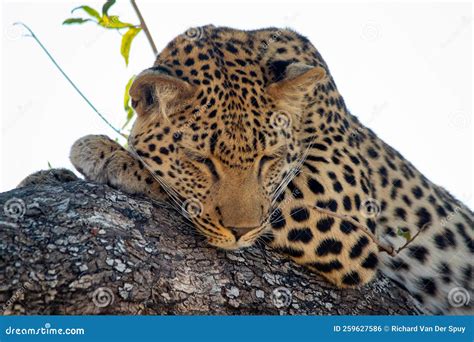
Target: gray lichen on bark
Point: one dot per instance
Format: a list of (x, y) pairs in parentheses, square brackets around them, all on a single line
[(81, 248)]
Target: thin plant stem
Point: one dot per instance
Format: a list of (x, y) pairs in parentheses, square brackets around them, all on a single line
[(32, 35), (144, 27)]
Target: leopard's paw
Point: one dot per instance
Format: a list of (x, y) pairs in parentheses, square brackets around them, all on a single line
[(52, 177), (91, 154)]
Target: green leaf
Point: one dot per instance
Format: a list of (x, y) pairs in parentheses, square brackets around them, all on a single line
[(127, 42), (404, 233), (75, 21), (49, 165), (126, 102), (113, 22), (89, 10), (106, 7)]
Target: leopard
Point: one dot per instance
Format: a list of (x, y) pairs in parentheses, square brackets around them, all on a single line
[(246, 133)]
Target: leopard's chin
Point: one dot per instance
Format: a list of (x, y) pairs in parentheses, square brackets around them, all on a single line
[(231, 245), (226, 240)]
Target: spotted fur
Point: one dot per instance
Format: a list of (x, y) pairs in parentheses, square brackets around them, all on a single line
[(249, 128)]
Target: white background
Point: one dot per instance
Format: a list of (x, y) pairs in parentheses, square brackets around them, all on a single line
[(404, 69)]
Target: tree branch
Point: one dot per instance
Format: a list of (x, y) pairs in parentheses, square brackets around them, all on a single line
[(72, 247), (144, 27), (383, 247)]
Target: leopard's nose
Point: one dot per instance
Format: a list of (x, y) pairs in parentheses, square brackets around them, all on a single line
[(239, 232)]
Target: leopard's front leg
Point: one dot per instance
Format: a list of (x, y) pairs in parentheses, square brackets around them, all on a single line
[(102, 160)]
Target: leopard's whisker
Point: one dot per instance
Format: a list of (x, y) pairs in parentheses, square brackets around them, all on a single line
[(285, 182), (166, 187), (292, 174)]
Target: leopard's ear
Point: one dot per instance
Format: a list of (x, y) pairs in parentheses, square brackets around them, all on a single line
[(154, 90), (298, 80)]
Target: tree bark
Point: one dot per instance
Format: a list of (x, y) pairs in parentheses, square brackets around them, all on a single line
[(85, 248)]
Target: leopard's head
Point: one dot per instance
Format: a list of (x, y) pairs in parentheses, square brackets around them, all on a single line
[(221, 132)]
